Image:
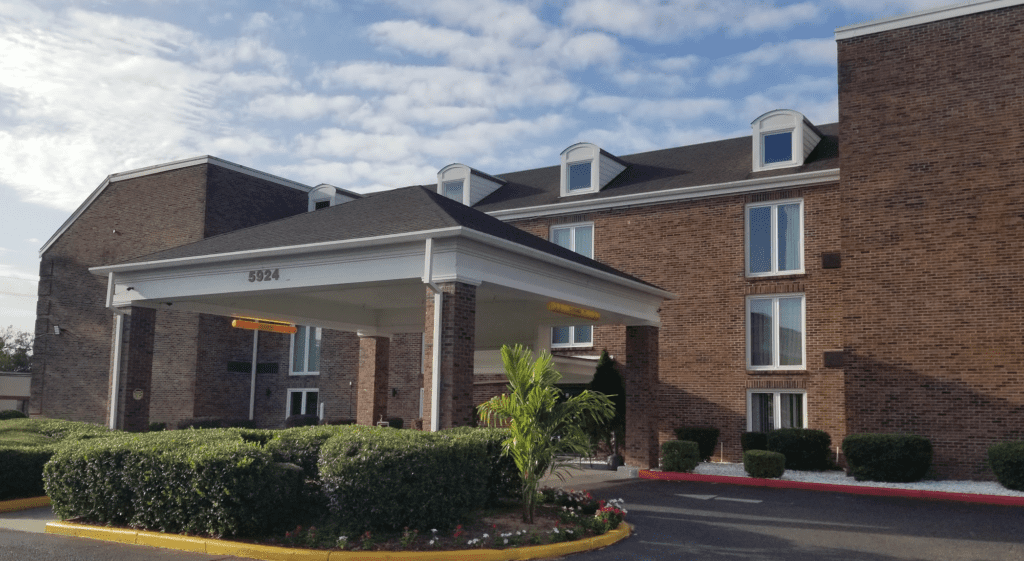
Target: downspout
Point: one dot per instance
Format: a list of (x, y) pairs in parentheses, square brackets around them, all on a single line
[(435, 359), (118, 329), (252, 386)]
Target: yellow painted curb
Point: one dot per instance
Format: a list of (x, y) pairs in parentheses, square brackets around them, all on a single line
[(15, 505), (272, 553)]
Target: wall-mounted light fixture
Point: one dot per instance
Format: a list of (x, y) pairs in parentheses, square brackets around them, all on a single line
[(56, 330)]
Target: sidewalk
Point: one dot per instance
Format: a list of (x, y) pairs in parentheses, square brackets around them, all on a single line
[(31, 520)]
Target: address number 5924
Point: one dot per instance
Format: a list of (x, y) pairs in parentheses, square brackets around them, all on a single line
[(264, 275)]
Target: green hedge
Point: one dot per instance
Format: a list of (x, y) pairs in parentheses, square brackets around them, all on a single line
[(12, 414), (25, 447), (887, 457), (22, 469), (754, 441), (804, 449), (503, 481), (301, 445), (209, 482), (764, 464), (382, 479), (705, 437), (679, 455), (1007, 460)]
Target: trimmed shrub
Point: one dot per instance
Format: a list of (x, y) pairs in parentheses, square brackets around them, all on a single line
[(202, 423), (338, 422), (504, 481), (754, 441), (12, 414), (705, 437), (380, 479), (193, 482), (887, 457), (804, 449), (55, 429), (396, 422), (764, 464), (1007, 460), (22, 469), (679, 455), (301, 445), (301, 421)]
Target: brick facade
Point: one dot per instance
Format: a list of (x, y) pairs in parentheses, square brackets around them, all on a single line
[(458, 332), (931, 128)]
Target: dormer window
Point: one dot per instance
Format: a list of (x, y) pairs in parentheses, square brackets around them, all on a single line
[(462, 183), (453, 189), (324, 195), (782, 138), (587, 169), (322, 204)]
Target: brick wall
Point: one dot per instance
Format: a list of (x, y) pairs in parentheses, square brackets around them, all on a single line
[(931, 126), (695, 249)]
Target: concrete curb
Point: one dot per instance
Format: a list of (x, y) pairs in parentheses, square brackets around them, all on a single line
[(14, 505), (274, 553), (850, 489)]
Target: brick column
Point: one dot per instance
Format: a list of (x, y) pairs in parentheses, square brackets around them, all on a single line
[(138, 374), (640, 380), (458, 342), (372, 397)]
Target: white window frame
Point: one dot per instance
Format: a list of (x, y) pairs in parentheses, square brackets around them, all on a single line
[(593, 177), (304, 391), (291, 353), (792, 161), (776, 405), (462, 189), (572, 227), (775, 331), (774, 253)]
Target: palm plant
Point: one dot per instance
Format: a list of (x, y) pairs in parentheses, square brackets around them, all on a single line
[(542, 425)]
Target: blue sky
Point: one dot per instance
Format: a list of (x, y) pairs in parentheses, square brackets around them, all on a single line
[(371, 95)]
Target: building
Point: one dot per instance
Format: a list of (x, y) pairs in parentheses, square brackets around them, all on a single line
[(862, 276)]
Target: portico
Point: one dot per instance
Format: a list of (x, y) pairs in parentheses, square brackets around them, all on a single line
[(398, 262)]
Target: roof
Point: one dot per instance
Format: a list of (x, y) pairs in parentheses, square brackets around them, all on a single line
[(919, 17), (160, 168), (710, 163), (399, 211)]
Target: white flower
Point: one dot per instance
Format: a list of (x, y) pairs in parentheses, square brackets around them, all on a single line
[(486, 536), (506, 541), (556, 530)]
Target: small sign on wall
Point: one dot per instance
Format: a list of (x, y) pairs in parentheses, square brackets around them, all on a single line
[(137, 395)]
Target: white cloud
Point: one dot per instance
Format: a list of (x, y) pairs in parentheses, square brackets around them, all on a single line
[(678, 64), (886, 8), (807, 52), (669, 20), (682, 109), (816, 98), (302, 106), (258, 22)]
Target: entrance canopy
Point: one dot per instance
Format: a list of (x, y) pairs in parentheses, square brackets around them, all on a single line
[(363, 266)]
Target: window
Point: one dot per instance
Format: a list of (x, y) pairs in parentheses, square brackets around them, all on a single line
[(578, 238), (305, 350), (322, 204), (775, 332), (453, 190), (769, 410), (775, 238), (579, 176), (302, 402), (778, 147)]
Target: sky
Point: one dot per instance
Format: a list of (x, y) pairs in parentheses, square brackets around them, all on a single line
[(370, 95)]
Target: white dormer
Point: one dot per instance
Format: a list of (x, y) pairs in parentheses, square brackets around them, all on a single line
[(587, 169), (465, 184), (782, 138), (324, 195)]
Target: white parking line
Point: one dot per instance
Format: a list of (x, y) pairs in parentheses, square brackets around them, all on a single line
[(698, 497), (717, 498), (751, 501)]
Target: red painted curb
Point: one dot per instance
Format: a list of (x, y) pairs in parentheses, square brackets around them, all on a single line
[(851, 489)]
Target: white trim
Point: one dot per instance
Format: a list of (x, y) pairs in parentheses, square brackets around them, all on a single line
[(927, 15), (160, 168), (773, 253), (776, 355), (572, 344), (252, 384), (116, 370), (305, 352), (572, 236), (288, 403), (776, 405), (671, 195)]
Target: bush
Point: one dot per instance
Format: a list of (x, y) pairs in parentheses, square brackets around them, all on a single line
[(301, 421), (1007, 460), (201, 423), (12, 414), (396, 422), (887, 457), (705, 437), (301, 445), (378, 479), (503, 480), (764, 464), (754, 441), (679, 455), (22, 469), (157, 427), (338, 422), (804, 449), (193, 482)]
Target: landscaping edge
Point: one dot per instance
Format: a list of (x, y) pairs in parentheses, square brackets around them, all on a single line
[(850, 489), (274, 553), (14, 505)]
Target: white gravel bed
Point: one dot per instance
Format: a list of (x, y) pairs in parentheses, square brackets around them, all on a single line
[(840, 478)]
